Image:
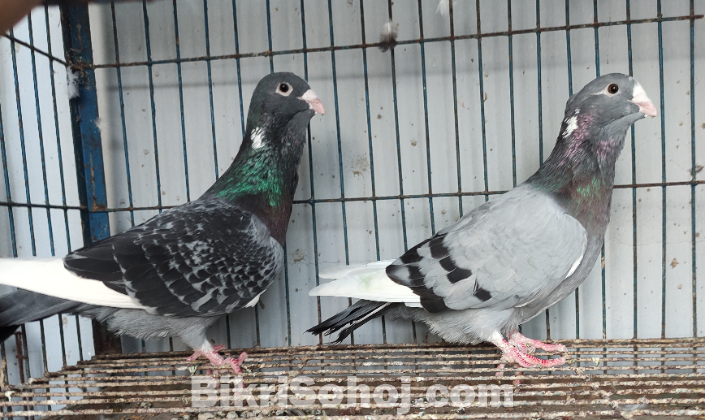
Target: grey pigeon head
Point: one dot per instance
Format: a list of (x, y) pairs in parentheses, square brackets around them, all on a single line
[(610, 104), (282, 101)]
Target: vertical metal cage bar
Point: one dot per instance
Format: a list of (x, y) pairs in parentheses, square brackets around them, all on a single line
[(312, 200), (13, 53), (425, 113), (569, 63), (663, 170), (635, 253), (52, 79), (177, 45), (118, 71), (44, 173), (242, 121), (399, 164), (454, 78), (340, 145), (30, 218), (694, 169), (210, 83), (510, 52), (150, 68), (369, 126), (482, 99)]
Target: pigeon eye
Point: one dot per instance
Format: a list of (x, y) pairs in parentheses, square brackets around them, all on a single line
[(284, 89), (613, 88)]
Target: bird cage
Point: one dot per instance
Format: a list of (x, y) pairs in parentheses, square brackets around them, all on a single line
[(113, 112)]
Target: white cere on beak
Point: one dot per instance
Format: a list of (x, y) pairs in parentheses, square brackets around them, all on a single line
[(257, 138), (572, 125), (313, 102), (640, 99)]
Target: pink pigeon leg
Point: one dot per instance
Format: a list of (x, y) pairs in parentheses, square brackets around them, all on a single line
[(511, 354), (217, 360), (521, 342)]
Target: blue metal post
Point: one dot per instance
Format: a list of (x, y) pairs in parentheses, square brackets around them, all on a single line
[(88, 150)]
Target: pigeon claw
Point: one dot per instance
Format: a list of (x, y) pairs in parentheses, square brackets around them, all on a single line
[(512, 355), (217, 360), (528, 345)]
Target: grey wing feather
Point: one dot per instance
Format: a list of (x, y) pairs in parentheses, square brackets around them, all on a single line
[(506, 253)]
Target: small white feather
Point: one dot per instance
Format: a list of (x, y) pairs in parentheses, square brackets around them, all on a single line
[(254, 301), (443, 7), (103, 126), (48, 276), (72, 80), (257, 138), (388, 36)]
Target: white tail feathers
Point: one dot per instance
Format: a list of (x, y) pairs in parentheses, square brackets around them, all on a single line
[(369, 282), (48, 276)]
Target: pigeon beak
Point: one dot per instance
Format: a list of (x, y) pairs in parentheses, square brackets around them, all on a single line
[(313, 102), (643, 102)]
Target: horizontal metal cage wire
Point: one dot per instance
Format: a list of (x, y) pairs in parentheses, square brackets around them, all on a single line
[(627, 378), (482, 91)]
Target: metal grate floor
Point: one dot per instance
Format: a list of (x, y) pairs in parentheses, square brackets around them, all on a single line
[(604, 379)]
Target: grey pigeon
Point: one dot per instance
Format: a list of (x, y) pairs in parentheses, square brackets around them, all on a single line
[(511, 258), (179, 272)]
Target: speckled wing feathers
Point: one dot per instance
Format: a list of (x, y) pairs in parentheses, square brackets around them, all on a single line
[(506, 253), (204, 258)]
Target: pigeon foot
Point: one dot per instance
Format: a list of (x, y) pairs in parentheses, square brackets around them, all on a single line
[(528, 345), (217, 360), (511, 354)]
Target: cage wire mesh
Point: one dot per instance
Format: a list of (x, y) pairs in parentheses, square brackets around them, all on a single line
[(464, 108)]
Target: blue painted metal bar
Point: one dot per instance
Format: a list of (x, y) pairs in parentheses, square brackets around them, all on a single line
[(425, 114), (88, 150), (177, 44), (86, 136), (635, 269)]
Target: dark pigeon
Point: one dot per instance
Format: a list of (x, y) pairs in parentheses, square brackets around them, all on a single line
[(177, 273), (511, 258)]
